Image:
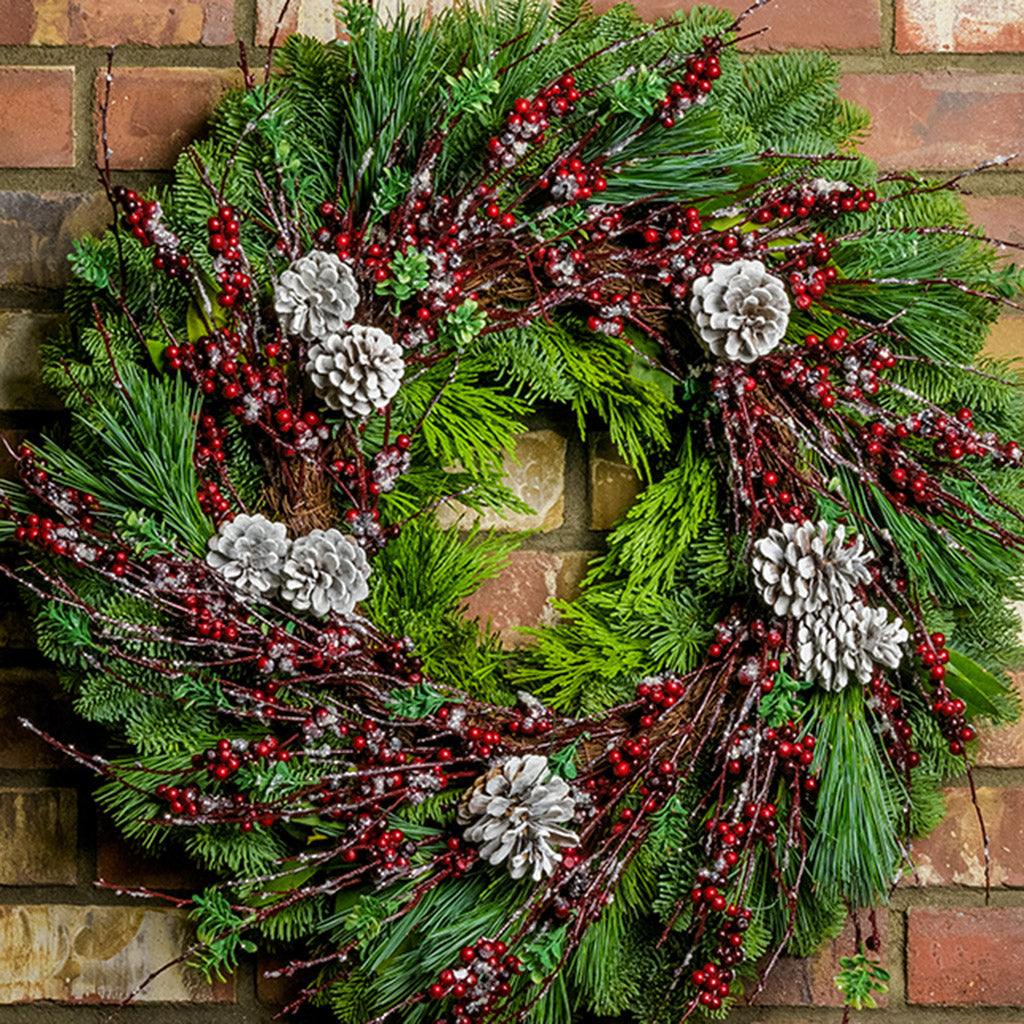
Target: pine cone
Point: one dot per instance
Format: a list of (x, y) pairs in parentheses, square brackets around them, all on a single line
[(325, 572), (249, 552), (515, 811), (356, 372), (835, 644), (799, 570), (316, 296), (741, 310)]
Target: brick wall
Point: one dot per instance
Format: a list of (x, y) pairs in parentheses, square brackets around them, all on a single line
[(945, 81)]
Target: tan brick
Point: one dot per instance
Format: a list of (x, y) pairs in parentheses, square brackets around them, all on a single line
[(613, 484), (155, 112), (36, 117), (36, 230), (21, 333), (38, 836), (1002, 218), (963, 26), (110, 22), (314, 18), (1004, 747), (522, 593), (832, 24), (317, 18), (1006, 338), (970, 957), (35, 695), (90, 954), (811, 981), (953, 853), (536, 474), (940, 119)]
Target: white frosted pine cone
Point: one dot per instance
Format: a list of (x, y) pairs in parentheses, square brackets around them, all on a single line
[(249, 552), (515, 811), (316, 296), (356, 372), (325, 572), (837, 646), (798, 569), (741, 311)]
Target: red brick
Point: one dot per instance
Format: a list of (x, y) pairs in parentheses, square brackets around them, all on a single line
[(37, 117), (36, 231), (811, 981), (26, 693), (953, 853), (277, 991), (830, 24), (155, 112), (522, 593), (89, 954), (1002, 218), (38, 836), (969, 957), (940, 119), (121, 864), (106, 22), (963, 26)]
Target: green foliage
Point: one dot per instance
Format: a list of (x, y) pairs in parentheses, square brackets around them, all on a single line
[(410, 272), (856, 822), (220, 931), (89, 263), (858, 980), (416, 702), (471, 92), (147, 439), (393, 188)]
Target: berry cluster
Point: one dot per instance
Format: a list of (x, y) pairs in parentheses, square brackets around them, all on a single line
[(754, 646), (892, 716), (793, 750), (389, 464), (527, 122), (817, 197), (179, 799), (144, 219), (657, 694), (478, 982), (209, 442), (229, 264), (223, 760), (574, 181), (701, 72), (712, 980), (949, 711)]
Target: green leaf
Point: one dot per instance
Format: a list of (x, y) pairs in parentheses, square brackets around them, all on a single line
[(563, 762), (416, 702), (410, 271), (978, 689)]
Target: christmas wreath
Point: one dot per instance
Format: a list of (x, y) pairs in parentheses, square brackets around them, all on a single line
[(385, 254)]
